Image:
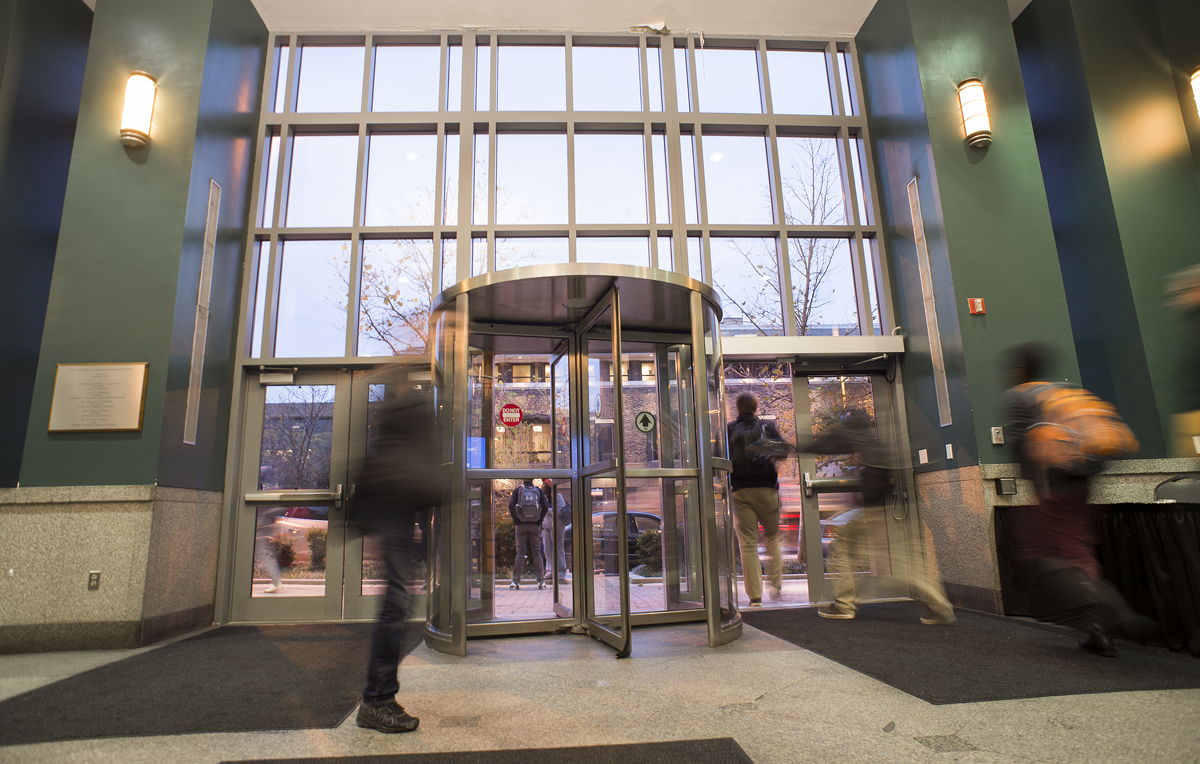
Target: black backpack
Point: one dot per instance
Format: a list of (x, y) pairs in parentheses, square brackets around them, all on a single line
[(744, 460), (529, 505)]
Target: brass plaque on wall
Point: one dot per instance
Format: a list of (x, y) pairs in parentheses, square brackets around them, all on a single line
[(98, 397)]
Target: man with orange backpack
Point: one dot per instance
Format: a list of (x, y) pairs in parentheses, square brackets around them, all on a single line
[(1062, 436)]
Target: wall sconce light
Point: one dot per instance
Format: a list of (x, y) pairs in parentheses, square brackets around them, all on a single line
[(139, 110), (1196, 88), (973, 103)]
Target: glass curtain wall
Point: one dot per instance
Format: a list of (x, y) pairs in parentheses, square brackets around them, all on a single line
[(739, 162)]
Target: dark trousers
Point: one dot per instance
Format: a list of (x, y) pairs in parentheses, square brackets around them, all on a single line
[(387, 638), (528, 536), (1066, 594)]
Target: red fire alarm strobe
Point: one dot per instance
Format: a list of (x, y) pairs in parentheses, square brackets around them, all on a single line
[(511, 414), (975, 305)]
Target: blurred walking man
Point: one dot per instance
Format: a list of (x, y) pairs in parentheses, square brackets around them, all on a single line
[(755, 484), (878, 461), (396, 491)]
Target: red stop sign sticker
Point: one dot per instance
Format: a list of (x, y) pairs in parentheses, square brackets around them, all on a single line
[(511, 414)]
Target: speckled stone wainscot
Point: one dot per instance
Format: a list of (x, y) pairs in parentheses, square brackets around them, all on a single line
[(156, 549)]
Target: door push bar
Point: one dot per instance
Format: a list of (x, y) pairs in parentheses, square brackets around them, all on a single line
[(298, 497), (830, 485)]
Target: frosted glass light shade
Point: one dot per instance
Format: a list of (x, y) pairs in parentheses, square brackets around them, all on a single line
[(973, 103), (139, 109), (1196, 89)]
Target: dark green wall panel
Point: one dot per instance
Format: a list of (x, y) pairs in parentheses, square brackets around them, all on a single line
[(43, 51), (225, 147)]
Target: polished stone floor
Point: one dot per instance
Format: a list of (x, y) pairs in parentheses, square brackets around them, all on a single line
[(781, 703)]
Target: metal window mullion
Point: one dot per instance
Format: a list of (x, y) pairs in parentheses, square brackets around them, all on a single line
[(493, 197), (283, 179), (368, 73), (702, 203), (493, 73), (849, 185), (764, 81), (271, 309), (674, 158), (651, 216), (293, 75), (694, 81), (439, 196), (570, 77), (858, 253), (835, 85), (466, 161)]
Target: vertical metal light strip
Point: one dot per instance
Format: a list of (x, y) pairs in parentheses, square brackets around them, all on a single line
[(354, 282), (927, 297), (698, 153), (466, 160), (782, 258), (271, 309), (439, 170), (191, 415), (648, 139)]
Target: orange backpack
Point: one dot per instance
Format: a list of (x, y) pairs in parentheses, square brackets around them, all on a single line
[(1074, 428)]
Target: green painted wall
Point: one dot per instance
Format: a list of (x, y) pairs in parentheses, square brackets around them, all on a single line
[(1121, 177), (119, 271), (987, 222)]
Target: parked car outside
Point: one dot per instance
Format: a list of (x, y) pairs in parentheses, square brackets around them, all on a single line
[(604, 536)]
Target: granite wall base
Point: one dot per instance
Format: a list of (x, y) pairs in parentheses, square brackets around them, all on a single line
[(155, 548)]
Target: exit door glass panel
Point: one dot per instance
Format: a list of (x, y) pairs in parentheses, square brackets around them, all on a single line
[(601, 493), (603, 370), (831, 399), (297, 437), (289, 551), (522, 408), (639, 386), (663, 526)]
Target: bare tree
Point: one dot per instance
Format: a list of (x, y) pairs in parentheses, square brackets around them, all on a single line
[(297, 437)]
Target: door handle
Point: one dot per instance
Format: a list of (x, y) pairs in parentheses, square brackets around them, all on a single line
[(337, 496)]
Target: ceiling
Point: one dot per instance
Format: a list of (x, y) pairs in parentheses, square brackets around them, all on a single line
[(790, 18)]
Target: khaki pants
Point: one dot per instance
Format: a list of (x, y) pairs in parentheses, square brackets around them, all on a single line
[(752, 506), (853, 541)]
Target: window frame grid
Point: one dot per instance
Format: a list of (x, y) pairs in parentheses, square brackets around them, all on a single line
[(467, 120)]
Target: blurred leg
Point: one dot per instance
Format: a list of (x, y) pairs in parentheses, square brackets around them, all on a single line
[(388, 635), (850, 543), (767, 505), (537, 554), (745, 522)]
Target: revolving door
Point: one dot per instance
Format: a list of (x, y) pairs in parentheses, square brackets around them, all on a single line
[(600, 386)]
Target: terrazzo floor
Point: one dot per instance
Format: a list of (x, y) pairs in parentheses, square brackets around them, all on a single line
[(782, 704)]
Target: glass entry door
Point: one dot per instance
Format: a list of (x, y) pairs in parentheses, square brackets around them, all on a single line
[(296, 556)]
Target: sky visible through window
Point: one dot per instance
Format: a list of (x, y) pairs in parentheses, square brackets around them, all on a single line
[(768, 206)]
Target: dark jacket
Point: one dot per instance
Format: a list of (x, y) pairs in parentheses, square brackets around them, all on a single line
[(512, 503), (750, 471), (855, 436)]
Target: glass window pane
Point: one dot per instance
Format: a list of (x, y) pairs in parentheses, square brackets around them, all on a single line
[(483, 77), (812, 181), (531, 179), (260, 300), (511, 253), (297, 438), (331, 78), (622, 250), (610, 178), (736, 182), (454, 78), (321, 187), (479, 253), (606, 79), (449, 263), (266, 213), (666, 254), (823, 287), (695, 259), (450, 184), (313, 287), (662, 195), (406, 78), (843, 60), (283, 56), (745, 275), (687, 154), (728, 81), (290, 542), (479, 214), (799, 82), (683, 92), (393, 305), (531, 78), (654, 74), (401, 174)]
